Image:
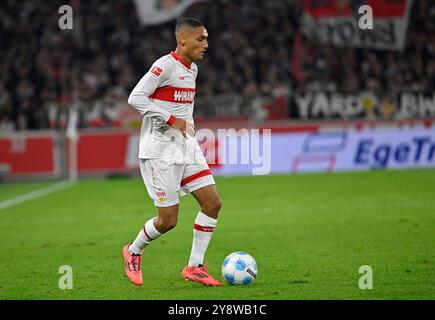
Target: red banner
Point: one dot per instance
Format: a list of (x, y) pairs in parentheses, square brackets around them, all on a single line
[(337, 22), (102, 152), (340, 8), (28, 155)]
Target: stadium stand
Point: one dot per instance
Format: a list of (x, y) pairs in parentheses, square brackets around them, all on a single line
[(247, 73)]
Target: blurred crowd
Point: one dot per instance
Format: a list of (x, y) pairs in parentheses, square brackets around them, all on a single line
[(45, 71)]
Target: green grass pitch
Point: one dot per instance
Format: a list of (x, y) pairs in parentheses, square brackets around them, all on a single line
[(308, 233)]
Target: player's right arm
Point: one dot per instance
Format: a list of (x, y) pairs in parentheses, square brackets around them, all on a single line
[(140, 97)]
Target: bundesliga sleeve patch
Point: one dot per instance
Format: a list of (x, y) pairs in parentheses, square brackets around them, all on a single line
[(156, 71)]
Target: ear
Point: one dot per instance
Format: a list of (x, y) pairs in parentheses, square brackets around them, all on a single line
[(182, 39)]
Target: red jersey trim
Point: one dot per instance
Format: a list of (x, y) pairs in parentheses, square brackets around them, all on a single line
[(195, 176), (171, 120), (177, 57), (174, 94)]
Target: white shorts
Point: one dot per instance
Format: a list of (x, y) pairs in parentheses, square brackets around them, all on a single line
[(166, 180)]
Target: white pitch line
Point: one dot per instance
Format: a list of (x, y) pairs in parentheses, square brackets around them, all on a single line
[(36, 194)]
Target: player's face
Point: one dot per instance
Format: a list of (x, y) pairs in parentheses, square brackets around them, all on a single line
[(196, 43)]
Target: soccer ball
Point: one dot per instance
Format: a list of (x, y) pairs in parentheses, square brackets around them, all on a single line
[(239, 268)]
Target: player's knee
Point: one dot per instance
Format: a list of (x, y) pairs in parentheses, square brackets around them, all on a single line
[(213, 206), (167, 224), (218, 204)]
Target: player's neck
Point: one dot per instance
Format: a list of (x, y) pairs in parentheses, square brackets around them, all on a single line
[(187, 61)]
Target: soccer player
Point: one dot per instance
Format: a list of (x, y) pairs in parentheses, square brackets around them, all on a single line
[(171, 161)]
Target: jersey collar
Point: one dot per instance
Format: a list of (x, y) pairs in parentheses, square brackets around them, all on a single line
[(177, 57)]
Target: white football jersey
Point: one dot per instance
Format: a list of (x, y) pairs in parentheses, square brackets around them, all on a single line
[(166, 91)]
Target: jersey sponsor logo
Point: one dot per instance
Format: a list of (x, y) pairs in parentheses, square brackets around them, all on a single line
[(174, 94), (184, 96), (156, 71)]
